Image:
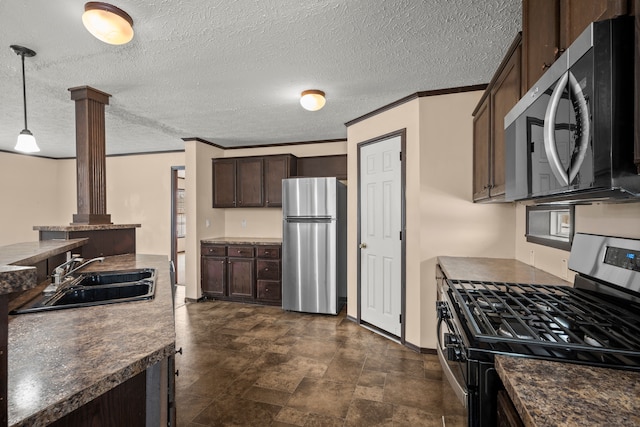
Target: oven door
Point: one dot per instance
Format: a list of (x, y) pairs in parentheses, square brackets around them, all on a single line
[(452, 356)]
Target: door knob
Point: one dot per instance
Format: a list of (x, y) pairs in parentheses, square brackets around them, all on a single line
[(363, 245)]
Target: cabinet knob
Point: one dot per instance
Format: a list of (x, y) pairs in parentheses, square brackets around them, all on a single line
[(266, 269), (545, 66), (557, 51)]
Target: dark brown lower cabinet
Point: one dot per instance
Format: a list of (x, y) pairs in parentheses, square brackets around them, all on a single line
[(507, 415), (124, 405), (4, 335), (241, 273)]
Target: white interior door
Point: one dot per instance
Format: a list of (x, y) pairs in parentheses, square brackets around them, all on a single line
[(380, 234)]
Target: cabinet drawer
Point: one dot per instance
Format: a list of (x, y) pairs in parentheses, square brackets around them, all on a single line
[(268, 252), (268, 270), (269, 290), (240, 251), (214, 250)]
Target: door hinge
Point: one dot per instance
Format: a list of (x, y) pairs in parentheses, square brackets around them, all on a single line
[(400, 235), (400, 153), (400, 318)]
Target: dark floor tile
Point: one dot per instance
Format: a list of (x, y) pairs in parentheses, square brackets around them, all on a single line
[(414, 392), (188, 406), (315, 349), (322, 397), (231, 411), (212, 384), (343, 370), (266, 395), (365, 413), (404, 416), (319, 420), (408, 367)]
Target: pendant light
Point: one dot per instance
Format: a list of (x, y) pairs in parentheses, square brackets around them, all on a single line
[(26, 141), (107, 23), (312, 99)]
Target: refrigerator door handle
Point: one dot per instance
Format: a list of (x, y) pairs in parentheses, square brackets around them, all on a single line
[(309, 219)]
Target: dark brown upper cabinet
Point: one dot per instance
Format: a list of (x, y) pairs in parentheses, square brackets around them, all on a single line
[(249, 182), (237, 182), (550, 26), (501, 95), (277, 168)]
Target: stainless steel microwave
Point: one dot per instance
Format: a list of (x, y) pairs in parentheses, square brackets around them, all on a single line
[(571, 136)]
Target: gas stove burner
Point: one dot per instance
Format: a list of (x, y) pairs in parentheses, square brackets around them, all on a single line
[(490, 303), (588, 339), (519, 331), (545, 306)]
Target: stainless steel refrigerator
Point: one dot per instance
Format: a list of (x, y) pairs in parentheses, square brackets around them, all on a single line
[(314, 245)]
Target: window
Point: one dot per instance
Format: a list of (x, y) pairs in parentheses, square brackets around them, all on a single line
[(181, 219), (551, 225)]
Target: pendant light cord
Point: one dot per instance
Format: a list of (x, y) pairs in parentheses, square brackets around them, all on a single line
[(24, 93)]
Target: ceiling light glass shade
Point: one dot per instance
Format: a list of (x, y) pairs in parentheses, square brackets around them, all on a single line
[(107, 23), (312, 100), (26, 142)]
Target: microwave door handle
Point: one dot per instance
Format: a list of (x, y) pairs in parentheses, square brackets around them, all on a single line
[(584, 128), (550, 147)]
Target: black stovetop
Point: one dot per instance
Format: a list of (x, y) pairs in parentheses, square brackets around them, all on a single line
[(553, 322)]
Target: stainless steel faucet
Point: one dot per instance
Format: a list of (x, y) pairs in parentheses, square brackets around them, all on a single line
[(64, 270)]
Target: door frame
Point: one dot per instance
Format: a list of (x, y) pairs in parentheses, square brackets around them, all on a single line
[(174, 206), (402, 133)]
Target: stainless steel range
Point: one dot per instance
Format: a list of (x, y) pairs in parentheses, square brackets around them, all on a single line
[(596, 322)]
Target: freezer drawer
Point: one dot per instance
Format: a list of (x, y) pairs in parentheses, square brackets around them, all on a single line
[(309, 266)]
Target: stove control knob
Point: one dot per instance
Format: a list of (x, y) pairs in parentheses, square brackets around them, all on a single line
[(450, 339), (443, 310), (454, 354)]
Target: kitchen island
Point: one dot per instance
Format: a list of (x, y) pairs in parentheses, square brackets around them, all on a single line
[(65, 360)]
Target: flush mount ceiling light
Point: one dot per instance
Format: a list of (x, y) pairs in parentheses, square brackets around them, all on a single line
[(312, 100), (107, 23), (26, 141)]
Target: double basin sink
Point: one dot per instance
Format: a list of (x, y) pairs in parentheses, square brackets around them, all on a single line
[(96, 288)]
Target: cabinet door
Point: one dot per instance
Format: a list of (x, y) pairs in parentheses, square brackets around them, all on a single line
[(481, 138), (241, 277), (224, 183), (249, 182), (505, 94), (540, 38), (276, 168), (214, 275), (576, 15)]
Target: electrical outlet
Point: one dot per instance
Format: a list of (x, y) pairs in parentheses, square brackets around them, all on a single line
[(207, 223), (563, 269), (532, 257), (244, 223)]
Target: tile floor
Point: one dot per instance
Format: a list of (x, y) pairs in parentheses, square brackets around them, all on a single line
[(249, 365)]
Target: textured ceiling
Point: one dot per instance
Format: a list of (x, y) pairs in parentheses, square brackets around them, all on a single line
[(231, 71)]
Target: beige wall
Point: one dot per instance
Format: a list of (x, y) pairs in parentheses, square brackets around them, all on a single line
[(43, 192), (30, 196), (441, 218)]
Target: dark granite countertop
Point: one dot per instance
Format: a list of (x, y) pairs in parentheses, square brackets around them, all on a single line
[(242, 240), (497, 270), (82, 227), (60, 360), (561, 394), (15, 261)]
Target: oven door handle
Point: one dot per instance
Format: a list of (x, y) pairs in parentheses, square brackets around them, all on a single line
[(459, 389)]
